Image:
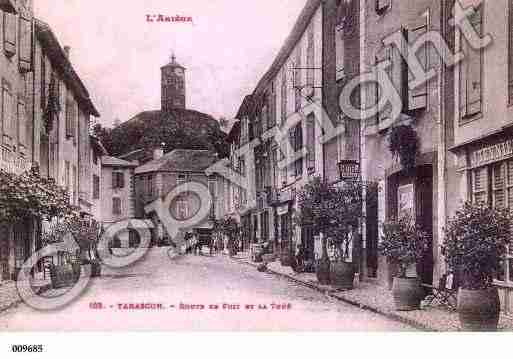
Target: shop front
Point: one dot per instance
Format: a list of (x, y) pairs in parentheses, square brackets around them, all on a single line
[(486, 169)]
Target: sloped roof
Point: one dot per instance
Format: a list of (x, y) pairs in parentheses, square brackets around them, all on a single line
[(180, 160), (110, 161), (246, 107), (59, 59), (293, 38), (234, 132)]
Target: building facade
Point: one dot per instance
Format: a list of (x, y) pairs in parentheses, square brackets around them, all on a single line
[(480, 148), (155, 179)]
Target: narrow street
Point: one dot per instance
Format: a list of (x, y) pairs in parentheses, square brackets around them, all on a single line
[(185, 285)]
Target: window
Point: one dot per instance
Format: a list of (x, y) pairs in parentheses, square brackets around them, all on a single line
[(296, 140), (283, 96), (182, 209), (43, 81), (493, 184), (95, 158), (9, 34), (339, 38), (150, 189), (212, 187), (297, 79), (71, 113), (384, 55), (116, 206), (310, 58), (67, 175), (118, 180), (181, 179), (25, 56), (275, 158), (22, 124), (272, 106), (96, 187), (75, 185), (8, 127), (383, 5), (471, 72), (310, 143), (417, 97)]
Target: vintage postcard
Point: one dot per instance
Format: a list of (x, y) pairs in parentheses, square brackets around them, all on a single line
[(291, 166)]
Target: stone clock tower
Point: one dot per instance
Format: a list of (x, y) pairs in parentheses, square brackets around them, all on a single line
[(173, 85)]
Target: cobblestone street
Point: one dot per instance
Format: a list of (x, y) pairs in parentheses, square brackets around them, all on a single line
[(196, 282)]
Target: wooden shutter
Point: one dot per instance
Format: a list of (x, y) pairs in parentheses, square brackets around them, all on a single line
[(297, 79), (284, 96), (498, 183), (510, 52), (43, 89), (385, 54), (96, 187), (340, 51), (417, 97), (116, 205), (7, 114), (310, 57), (10, 34), (480, 185), (121, 180), (22, 122), (25, 54), (114, 180), (473, 64), (310, 143)]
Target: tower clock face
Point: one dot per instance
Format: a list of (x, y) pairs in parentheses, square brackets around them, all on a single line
[(178, 72)]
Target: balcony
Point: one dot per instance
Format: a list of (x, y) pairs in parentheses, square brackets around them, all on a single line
[(12, 163), (8, 6)]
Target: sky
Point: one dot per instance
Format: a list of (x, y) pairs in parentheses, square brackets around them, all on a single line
[(118, 53)]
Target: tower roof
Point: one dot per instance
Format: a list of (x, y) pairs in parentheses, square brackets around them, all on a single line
[(173, 63)]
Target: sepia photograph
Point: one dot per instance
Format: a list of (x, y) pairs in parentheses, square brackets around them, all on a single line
[(193, 166)]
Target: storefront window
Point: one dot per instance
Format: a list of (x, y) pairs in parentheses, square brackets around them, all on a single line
[(494, 184)]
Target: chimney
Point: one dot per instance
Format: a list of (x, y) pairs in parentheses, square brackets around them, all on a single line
[(158, 152), (67, 50)]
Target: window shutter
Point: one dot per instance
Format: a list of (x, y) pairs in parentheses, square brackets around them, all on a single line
[(310, 57), (310, 143), (25, 55), (340, 51), (510, 50), (114, 180), (473, 63), (385, 54), (121, 180), (284, 96), (10, 34), (417, 98), (43, 82), (7, 113), (22, 122), (297, 79)]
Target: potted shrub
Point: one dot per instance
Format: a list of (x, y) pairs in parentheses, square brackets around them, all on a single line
[(334, 211), (476, 240), (404, 244)]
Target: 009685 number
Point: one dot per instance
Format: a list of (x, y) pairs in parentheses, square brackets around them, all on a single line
[(27, 348)]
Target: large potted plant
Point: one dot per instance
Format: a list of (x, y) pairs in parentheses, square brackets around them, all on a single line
[(476, 240), (404, 244), (334, 211)]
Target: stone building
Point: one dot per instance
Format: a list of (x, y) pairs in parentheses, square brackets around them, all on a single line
[(17, 241), (479, 164), (425, 111), (46, 112), (154, 180)]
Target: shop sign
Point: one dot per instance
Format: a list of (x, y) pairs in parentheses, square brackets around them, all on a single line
[(405, 199), (281, 210), (492, 153), (349, 169)]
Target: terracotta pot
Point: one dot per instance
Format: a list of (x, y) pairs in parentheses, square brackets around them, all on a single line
[(479, 310), (322, 271), (285, 259), (342, 274), (407, 293)]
